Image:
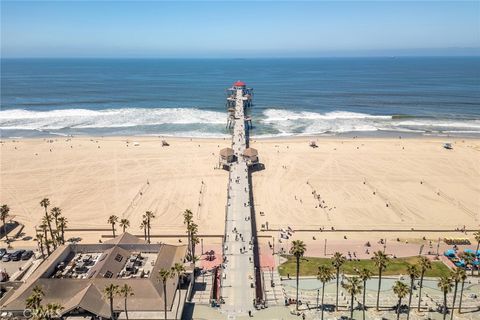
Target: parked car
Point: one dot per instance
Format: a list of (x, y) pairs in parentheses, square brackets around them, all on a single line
[(27, 255), (6, 257), (17, 255), (14, 256), (2, 252)]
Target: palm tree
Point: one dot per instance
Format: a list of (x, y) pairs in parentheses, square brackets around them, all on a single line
[(38, 313), (62, 225), (469, 257), (457, 275), (298, 250), (39, 239), (364, 274), (424, 264), (477, 237), (187, 220), (55, 213), (413, 273), (164, 275), (337, 261), (325, 274), (124, 223), (353, 287), (48, 243), (52, 311), (463, 278), (4, 210), (35, 298), (178, 269), (187, 216), (143, 226), (380, 259), (401, 290), (126, 291), (149, 215), (113, 219), (110, 291), (45, 203), (43, 228), (31, 302), (195, 240), (445, 284), (192, 230)]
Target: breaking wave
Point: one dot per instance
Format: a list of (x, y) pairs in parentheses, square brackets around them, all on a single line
[(108, 118), (195, 122), (273, 115), (310, 123)]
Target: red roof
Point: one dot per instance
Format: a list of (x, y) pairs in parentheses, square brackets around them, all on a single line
[(239, 84)]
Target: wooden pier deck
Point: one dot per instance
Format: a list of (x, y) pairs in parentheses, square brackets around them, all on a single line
[(239, 276)]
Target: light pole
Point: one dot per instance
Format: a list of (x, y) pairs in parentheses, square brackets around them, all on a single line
[(273, 246), (318, 297), (438, 246)]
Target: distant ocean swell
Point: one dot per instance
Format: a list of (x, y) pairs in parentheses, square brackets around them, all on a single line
[(194, 122)]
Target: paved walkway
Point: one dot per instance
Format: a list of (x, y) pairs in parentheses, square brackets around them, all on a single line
[(238, 275)]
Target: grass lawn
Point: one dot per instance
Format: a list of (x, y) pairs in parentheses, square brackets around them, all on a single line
[(309, 266)]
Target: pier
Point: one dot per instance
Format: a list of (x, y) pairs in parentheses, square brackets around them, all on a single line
[(240, 281)]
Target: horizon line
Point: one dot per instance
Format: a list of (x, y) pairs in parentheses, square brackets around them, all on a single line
[(247, 58)]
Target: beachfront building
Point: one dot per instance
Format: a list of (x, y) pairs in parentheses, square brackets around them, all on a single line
[(251, 156), (75, 276), (227, 156)]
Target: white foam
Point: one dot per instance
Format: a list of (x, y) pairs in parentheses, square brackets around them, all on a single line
[(194, 122), (312, 123), (108, 118), (473, 124), (278, 115)]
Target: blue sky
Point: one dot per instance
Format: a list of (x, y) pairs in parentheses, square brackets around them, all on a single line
[(238, 28)]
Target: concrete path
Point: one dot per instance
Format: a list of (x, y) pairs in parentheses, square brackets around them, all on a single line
[(238, 276)]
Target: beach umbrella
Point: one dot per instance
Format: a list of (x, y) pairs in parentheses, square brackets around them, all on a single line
[(469, 251), (450, 253), (460, 263)]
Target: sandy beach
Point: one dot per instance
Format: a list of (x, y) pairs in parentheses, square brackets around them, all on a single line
[(372, 184)]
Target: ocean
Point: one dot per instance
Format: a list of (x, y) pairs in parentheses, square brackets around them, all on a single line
[(292, 97)]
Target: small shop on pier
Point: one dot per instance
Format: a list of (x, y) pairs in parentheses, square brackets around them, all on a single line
[(227, 156), (251, 155)]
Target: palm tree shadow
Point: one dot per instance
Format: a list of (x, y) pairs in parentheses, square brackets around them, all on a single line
[(188, 310)]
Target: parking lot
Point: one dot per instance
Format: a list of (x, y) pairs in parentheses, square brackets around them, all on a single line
[(13, 266)]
